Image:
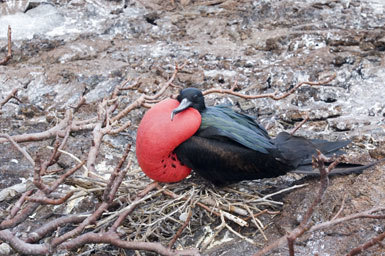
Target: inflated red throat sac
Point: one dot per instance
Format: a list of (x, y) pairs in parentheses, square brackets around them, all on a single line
[(158, 136)]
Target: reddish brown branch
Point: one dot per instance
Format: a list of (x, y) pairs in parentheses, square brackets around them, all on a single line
[(94, 123), (37, 177), (133, 205), (46, 200), (61, 179), (16, 208), (370, 243), (58, 130), (51, 226), (115, 181), (20, 216), (88, 221), (180, 230), (97, 135), (113, 184), (31, 207), (22, 247), (102, 237), (300, 125), (273, 95), (336, 221), (9, 54), (113, 239), (21, 150), (11, 95)]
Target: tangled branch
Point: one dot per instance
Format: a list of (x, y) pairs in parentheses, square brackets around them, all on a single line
[(128, 211)]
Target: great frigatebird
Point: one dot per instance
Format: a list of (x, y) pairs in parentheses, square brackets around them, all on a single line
[(220, 144)]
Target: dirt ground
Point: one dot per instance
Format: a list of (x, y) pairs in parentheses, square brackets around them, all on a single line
[(86, 48)]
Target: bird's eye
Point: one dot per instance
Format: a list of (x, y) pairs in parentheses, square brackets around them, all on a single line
[(195, 97)]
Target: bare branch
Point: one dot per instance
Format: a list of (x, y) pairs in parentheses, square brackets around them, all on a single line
[(370, 243), (9, 54), (16, 208), (46, 200), (116, 177), (51, 226), (113, 239), (180, 230), (11, 95), (21, 150), (21, 246), (132, 206), (273, 95), (300, 125), (333, 222)]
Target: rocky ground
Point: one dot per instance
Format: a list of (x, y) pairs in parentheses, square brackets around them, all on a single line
[(65, 49)]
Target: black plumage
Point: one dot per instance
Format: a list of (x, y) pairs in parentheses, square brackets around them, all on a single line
[(230, 146)]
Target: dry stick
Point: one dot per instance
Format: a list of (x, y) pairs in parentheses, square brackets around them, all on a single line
[(58, 129), (81, 102), (61, 179), (46, 200), (341, 208), (9, 55), (51, 226), (22, 247), (97, 136), (31, 207), (273, 95), (104, 237), (300, 125), (113, 239), (121, 174), (180, 230), (133, 205), (375, 240), (121, 128), (117, 179), (318, 163), (107, 191), (18, 204), (333, 222), (21, 216), (21, 150), (125, 211), (37, 177), (11, 95), (88, 221)]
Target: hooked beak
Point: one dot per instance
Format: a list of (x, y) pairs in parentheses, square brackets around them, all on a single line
[(184, 104)]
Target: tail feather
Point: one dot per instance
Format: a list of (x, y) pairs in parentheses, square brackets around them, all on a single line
[(297, 151), (342, 168), (327, 147)]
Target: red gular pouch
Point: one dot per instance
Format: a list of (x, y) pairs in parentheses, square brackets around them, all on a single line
[(158, 136)]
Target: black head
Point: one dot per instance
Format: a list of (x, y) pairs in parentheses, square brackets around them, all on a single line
[(189, 97)]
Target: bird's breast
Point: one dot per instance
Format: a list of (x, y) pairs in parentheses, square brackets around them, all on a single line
[(158, 136)]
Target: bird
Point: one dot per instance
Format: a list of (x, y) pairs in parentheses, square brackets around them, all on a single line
[(223, 146)]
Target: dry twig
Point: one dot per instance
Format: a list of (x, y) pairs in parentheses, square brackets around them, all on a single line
[(9, 54), (11, 95), (275, 95)]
